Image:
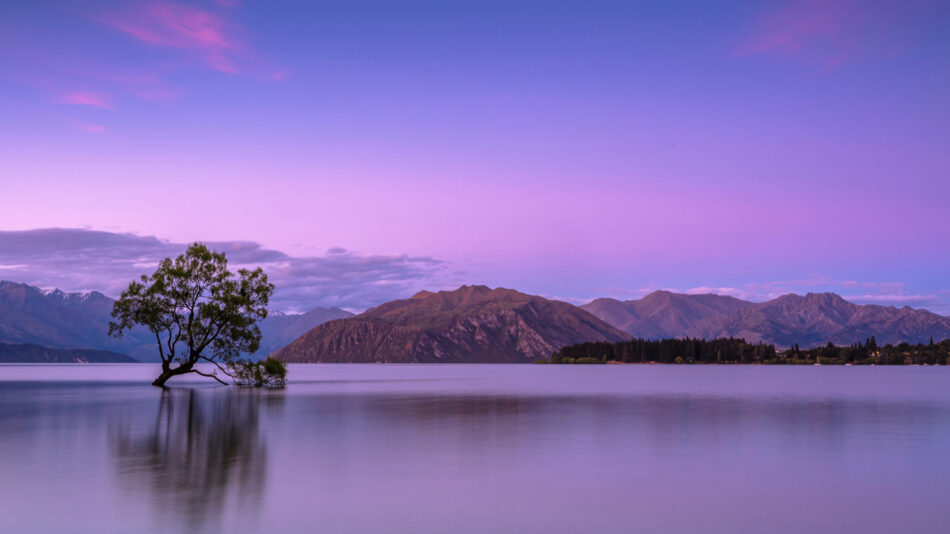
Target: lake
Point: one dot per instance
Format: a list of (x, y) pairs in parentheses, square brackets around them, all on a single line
[(478, 449)]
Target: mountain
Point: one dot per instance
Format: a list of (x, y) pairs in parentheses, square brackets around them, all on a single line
[(26, 353), (818, 318), (472, 324), (61, 320), (279, 329), (662, 314)]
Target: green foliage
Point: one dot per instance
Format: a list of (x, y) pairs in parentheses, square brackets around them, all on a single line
[(270, 373), (197, 309), (588, 361)]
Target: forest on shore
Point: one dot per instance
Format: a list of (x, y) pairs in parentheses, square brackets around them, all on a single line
[(738, 351)]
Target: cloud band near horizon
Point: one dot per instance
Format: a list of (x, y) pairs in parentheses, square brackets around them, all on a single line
[(74, 259), (90, 260)]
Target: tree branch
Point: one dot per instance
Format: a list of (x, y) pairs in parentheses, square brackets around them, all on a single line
[(207, 341), (211, 375), (161, 352), (216, 364), (171, 346)]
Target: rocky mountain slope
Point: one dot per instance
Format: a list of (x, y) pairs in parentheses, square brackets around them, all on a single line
[(470, 324), (279, 329), (662, 314), (26, 353)]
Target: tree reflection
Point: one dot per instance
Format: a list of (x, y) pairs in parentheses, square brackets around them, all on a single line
[(203, 453)]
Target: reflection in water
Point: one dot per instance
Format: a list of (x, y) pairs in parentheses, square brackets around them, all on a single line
[(485, 450), (202, 453)]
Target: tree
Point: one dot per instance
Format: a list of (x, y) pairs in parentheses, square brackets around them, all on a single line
[(198, 311), (270, 372)]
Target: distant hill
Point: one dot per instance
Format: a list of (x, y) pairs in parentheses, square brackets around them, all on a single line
[(813, 319), (472, 324), (81, 321), (26, 353), (662, 314), (818, 318)]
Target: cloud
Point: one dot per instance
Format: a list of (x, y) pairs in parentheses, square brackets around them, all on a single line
[(794, 26), (898, 298), (621, 293), (826, 33), (87, 98), (82, 260), (91, 127), (704, 290), (206, 34)]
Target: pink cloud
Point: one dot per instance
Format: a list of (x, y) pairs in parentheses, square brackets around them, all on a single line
[(87, 98), (91, 128), (796, 25), (221, 63), (170, 25), (824, 33)]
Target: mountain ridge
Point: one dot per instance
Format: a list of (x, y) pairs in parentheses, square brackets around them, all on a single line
[(470, 324), (818, 318), (61, 320), (459, 325), (808, 320), (661, 313)]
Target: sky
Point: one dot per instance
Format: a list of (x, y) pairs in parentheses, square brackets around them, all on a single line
[(362, 151)]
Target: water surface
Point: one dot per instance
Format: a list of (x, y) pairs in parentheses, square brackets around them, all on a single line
[(478, 449)]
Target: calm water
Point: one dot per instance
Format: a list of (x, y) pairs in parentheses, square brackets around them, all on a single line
[(479, 449)]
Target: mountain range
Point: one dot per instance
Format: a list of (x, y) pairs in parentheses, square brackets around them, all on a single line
[(471, 324), (477, 324), (809, 320), (58, 320)]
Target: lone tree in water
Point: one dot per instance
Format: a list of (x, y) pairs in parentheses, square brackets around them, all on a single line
[(199, 312)]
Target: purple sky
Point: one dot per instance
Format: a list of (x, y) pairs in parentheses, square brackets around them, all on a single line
[(574, 150)]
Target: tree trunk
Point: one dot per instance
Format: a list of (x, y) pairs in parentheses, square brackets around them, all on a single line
[(168, 372)]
